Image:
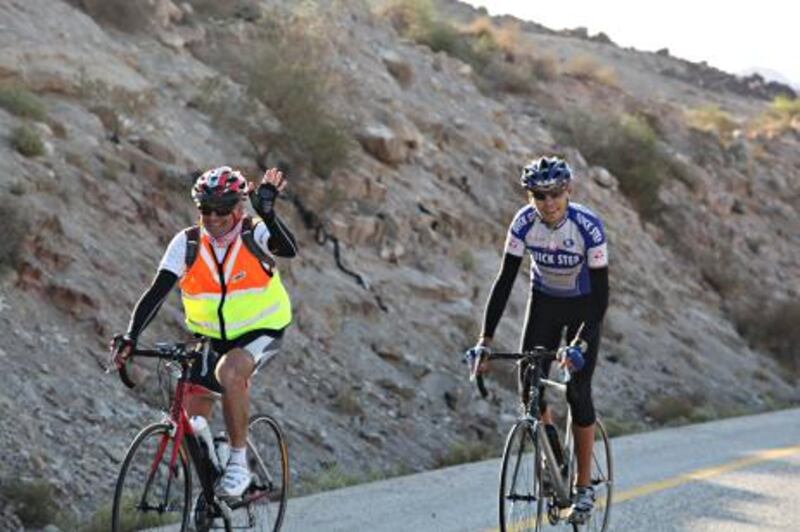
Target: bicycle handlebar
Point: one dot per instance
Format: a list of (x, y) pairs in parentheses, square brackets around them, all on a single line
[(177, 352), (535, 356)]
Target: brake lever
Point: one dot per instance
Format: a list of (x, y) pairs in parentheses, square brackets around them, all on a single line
[(476, 377)]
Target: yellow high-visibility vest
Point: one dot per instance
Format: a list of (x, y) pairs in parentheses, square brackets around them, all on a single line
[(227, 300)]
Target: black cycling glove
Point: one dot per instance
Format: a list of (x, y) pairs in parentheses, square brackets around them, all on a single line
[(263, 200)]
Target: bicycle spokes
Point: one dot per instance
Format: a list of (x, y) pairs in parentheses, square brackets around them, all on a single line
[(269, 462), (149, 491), (521, 498)]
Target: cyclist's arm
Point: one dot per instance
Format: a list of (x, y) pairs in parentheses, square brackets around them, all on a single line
[(598, 302), (498, 297), (274, 237), (148, 305), (281, 241)]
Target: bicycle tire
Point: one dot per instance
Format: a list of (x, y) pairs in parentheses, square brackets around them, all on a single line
[(268, 458), (602, 478), (141, 488), (521, 490)]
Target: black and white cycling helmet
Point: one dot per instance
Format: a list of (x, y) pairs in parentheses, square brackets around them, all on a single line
[(546, 173)]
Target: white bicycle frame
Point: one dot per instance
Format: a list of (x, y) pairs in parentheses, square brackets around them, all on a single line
[(560, 482)]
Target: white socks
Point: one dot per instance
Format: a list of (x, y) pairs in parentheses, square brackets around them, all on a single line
[(238, 456)]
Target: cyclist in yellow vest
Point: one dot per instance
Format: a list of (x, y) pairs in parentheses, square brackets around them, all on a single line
[(232, 294)]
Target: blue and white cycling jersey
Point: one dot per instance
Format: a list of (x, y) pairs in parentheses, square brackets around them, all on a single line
[(561, 256)]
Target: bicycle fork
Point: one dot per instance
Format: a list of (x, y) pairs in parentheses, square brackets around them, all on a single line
[(172, 472)]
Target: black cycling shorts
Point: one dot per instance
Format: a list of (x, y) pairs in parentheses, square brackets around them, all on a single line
[(262, 344), (545, 320)]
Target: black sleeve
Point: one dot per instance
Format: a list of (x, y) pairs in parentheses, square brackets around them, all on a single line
[(498, 297), (281, 241), (148, 305), (598, 302)]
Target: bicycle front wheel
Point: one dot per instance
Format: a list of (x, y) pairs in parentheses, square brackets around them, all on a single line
[(602, 481), (521, 498), (148, 492), (268, 458)]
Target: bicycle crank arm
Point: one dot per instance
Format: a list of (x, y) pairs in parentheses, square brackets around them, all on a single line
[(227, 515)]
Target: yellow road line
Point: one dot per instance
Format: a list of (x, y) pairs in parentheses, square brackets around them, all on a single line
[(701, 474), (698, 474)]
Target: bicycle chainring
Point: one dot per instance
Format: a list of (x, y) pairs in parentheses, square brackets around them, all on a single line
[(553, 511)]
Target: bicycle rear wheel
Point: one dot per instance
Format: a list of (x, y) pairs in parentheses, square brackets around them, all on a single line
[(268, 458), (521, 499), (146, 494), (602, 477)]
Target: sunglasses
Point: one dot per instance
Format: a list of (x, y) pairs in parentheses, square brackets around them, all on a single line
[(219, 211), (541, 196)]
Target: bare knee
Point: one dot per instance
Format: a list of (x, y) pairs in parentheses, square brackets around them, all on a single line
[(235, 369)]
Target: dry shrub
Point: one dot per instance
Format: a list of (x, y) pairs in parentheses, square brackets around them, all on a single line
[(346, 402), (586, 68), (514, 78), (508, 36), (545, 66), (782, 115), (712, 119), (114, 106), (291, 74)]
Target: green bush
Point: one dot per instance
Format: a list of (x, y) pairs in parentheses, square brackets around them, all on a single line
[(782, 115), (490, 51), (21, 102), (785, 106), (131, 16), (290, 76), (669, 409), (129, 520), (14, 228), (628, 147), (466, 452), (466, 259), (33, 501), (26, 141), (775, 330), (332, 476), (418, 20), (224, 9), (619, 427)]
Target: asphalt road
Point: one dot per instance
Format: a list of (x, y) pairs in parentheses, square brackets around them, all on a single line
[(730, 475)]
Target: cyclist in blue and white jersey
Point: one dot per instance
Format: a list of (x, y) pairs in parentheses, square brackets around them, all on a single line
[(569, 286)]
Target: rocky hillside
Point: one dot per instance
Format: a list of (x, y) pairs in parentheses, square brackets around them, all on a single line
[(403, 130)]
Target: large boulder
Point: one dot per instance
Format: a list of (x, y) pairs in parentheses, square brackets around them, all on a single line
[(384, 144)]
